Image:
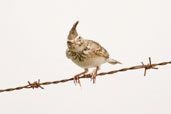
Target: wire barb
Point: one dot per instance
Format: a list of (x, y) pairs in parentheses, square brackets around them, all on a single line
[(148, 66), (35, 84)]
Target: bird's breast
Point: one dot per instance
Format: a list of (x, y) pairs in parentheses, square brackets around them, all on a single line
[(76, 56)]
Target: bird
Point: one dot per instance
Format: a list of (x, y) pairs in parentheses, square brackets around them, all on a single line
[(86, 54)]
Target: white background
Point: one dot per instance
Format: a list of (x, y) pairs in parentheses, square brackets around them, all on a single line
[(33, 36)]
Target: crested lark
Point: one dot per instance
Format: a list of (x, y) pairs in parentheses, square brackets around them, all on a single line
[(86, 54)]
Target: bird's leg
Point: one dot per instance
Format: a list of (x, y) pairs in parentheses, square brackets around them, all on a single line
[(94, 74), (77, 77)]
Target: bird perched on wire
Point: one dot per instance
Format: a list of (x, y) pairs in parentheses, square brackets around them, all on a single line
[(86, 54)]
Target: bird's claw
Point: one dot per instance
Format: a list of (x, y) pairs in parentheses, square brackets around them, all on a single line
[(93, 77), (77, 80), (77, 77), (94, 74)]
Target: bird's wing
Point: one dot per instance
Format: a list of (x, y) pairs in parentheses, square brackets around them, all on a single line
[(97, 49)]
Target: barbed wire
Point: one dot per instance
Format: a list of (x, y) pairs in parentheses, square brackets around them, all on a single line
[(38, 84)]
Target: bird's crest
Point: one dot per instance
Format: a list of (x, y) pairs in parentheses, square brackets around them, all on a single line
[(73, 32)]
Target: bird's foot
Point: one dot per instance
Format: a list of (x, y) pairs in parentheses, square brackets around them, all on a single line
[(93, 77), (94, 74), (77, 77)]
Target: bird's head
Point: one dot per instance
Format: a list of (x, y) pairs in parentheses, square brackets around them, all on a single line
[(75, 42)]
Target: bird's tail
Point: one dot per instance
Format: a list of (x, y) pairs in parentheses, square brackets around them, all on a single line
[(112, 61)]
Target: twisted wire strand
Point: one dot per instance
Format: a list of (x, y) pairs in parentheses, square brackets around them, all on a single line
[(38, 84)]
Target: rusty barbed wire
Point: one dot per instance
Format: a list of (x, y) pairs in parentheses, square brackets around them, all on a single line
[(38, 84), (35, 84)]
